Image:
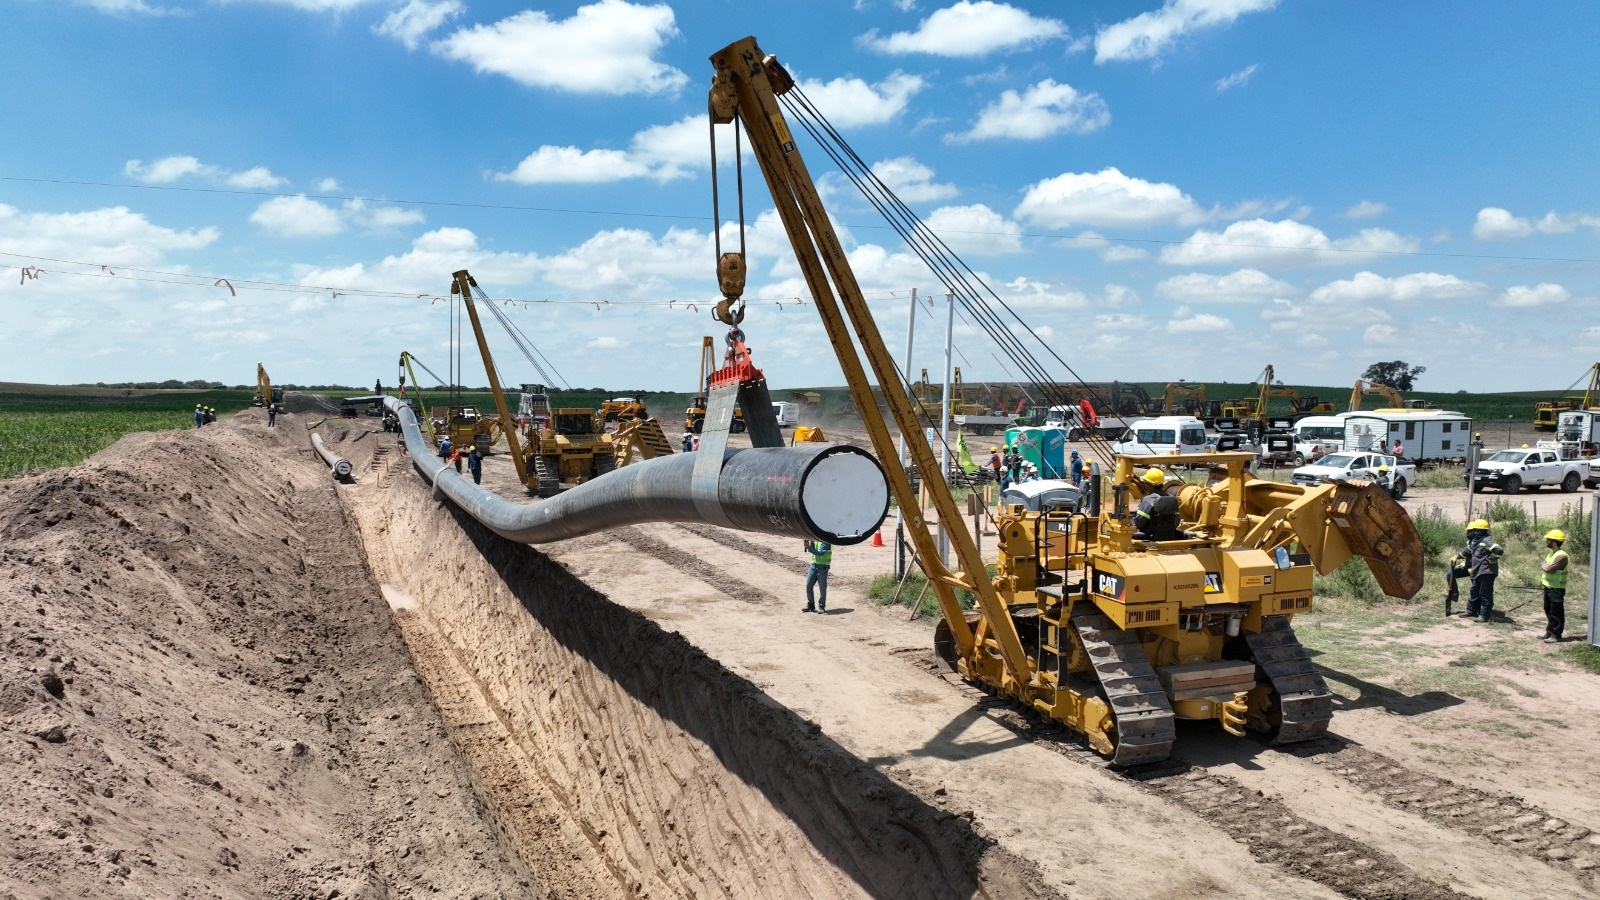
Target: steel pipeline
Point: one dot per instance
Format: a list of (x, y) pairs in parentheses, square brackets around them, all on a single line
[(339, 465), (835, 494)]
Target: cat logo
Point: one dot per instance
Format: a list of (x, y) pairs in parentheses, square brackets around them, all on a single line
[(1108, 585), (785, 140), (1213, 582)]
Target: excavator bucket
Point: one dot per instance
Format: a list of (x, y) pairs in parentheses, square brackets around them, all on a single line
[(1379, 530)]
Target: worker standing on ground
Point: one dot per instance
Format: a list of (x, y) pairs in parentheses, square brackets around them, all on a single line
[(1013, 462), (688, 442), (1384, 481), (1075, 469), (817, 576), (475, 465), (272, 415), (444, 448), (1156, 519), (1482, 557), (199, 415), (994, 462), (211, 415), (1554, 581)]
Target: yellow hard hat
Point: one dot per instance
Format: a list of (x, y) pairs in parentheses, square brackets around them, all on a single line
[(1383, 468), (994, 449), (1556, 534), (1478, 525), (1524, 446), (1155, 476)]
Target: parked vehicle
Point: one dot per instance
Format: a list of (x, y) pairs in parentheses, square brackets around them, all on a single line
[(1069, 418), (1316, 437), (1513, 470), (1593, 480), (1426, 434), (1162, 435), (1578, 433), (1348, 465), (987, 423), (788, 414)]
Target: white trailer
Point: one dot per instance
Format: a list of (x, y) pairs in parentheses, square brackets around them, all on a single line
[(1426, 434), (1578, 434)]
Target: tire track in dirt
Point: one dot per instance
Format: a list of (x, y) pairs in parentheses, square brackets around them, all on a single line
[(1498, 818), (734, 542), (693, 566)]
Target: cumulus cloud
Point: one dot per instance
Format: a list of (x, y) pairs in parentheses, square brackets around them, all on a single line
[(1187, 321), (910, 180), (1381, 334), (975, 230), (852, 102), (1106, 198), (119, 7), (301, 216), (410, 23), (112, 235), (607, 47), (1258, 242), (1496, 224), (661, 153), (1367, 287), (1243, 286), (1045, 109), (1237, 79), (1525, 296), (440, 250), (1366, 209), (1149, 35), (969, 29), (169, 169)]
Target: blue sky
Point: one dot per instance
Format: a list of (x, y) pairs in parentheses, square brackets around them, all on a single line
[(1179, 189)]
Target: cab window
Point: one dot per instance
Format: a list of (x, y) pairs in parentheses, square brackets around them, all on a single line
[(1194, 437)]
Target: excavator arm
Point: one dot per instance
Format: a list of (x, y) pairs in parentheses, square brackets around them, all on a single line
[(746, 89)]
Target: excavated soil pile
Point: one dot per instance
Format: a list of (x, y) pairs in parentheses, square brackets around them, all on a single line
[(649, 764), (202, 694)]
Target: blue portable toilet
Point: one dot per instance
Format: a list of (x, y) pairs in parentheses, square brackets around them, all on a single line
[(1046, 448)]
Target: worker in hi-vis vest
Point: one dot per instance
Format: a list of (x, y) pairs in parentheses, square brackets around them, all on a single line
[(817, 576)]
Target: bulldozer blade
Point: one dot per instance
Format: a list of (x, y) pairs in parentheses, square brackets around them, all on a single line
[(1379, 530)]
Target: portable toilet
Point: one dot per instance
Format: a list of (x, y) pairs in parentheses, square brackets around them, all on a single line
[(1046, 448)]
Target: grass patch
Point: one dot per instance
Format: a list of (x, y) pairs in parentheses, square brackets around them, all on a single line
[(44, 431), (1583, 656), (1444, 477), (882, 592)]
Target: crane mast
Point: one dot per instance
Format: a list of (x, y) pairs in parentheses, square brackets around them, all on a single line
[(746, 88)]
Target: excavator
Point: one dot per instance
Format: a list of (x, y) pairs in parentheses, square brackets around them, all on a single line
[(1190, 400), (266, 394), (1254, 411), (1111, 630), (1370, 388)]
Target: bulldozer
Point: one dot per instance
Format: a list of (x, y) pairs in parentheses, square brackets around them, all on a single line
[(1092, 618), (618, 410)]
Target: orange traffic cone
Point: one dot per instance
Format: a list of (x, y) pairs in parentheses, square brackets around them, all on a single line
[(877, 539)]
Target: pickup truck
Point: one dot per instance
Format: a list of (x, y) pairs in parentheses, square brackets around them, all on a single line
[(1344, 466), (1512, 470), (1593, 479)]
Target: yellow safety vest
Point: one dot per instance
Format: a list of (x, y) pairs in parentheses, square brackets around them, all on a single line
[(1558, 578)]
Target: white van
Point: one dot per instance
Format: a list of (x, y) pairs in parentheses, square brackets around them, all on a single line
[(1317, 436), (788, 414), (1162, 435)]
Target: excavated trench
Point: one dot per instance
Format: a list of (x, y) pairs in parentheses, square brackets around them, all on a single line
[(626, 762)]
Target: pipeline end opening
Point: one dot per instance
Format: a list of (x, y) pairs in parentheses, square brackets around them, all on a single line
[(845, 495)]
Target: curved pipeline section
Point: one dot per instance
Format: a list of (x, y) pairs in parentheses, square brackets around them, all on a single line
[(833, 494), (339, 465)]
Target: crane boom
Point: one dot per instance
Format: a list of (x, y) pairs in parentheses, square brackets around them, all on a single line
[(462, 286), (422, 403), (746, 87)]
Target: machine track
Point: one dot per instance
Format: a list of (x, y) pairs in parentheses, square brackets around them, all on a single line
[(549, 482), (1145, 725), (1303, 697)]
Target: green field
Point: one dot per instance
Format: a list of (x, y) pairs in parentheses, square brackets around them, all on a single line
[(44, 428)]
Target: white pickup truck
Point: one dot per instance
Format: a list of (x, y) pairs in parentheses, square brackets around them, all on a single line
[(1512, 470), (1344, 466)]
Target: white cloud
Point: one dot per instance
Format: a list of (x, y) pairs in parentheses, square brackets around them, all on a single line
[(1045, 109), (605, 342), (382, 218), (1366, 209), (1243, 286), (607, 47), (851, 102), (1381, 334), (975, 230), (1524, 296), (1367, 287), (410, 23), (327, 185), (1106, 198), (1148, 35), (570, 165), (1119, 253), (659, 152), (168, 169), (1496, 224), (1185, 321), (969, 29), (117, 7), (442, 250), (297, 216), (910, 180), (1258, 242), (110, 236), (1237, 79)]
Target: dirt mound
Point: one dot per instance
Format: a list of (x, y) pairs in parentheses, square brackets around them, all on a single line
[(201, 693), (669, 775)]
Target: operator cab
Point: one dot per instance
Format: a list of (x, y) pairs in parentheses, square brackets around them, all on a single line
[(574, 423)]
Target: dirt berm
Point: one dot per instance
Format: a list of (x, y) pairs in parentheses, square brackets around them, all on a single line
[(204, 694)]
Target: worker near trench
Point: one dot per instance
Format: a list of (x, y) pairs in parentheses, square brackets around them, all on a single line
[(272, 415), (821, 553), (1553, 578), (475, 465)]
